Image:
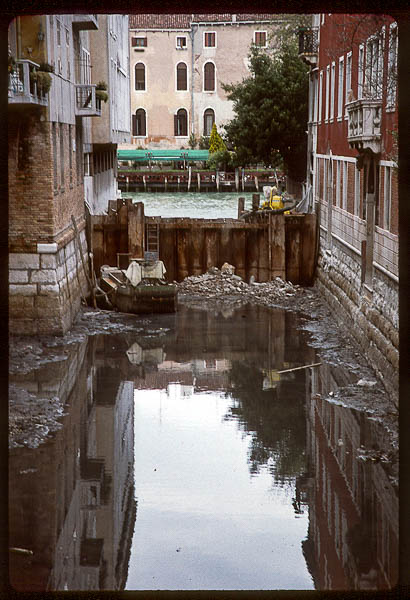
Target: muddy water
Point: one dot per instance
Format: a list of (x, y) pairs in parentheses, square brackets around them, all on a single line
[(185, 460)]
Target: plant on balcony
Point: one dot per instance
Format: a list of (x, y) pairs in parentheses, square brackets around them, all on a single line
[(46, 67), (101, 91), (42, 79), (11, 64)]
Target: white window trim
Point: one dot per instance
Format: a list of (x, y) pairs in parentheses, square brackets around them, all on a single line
[(203, 115), (387, 205), (345, 184), (356, 207), (142, 137), (203, 78), (176, 77), (181, 47), (327, 93), (216, 39), (145, 77), (187, 122), (338, 181), (348, 87), (332, 91), (340, 90), (266, 37), (360, 72), (320, 96)]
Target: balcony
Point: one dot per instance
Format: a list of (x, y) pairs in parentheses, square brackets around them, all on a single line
[(85, 22), (309, 45), (86, 102), (364, 121), (22, 90)]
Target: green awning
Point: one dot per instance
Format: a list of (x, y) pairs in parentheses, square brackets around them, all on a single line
[(162, 155)]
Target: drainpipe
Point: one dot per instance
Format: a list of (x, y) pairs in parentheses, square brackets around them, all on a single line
[(192, 36)]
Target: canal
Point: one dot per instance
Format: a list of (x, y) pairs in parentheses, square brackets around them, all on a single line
[(191, 455)]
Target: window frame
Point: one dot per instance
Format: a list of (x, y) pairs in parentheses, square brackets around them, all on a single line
[(259, 31), (348, 80), (176, 117), (319, 120), (340, 88), (181, 37), (144, 89), (209, 108), (181, 62), (327, 94), (332, 91), (139, 38), (387, 195), (209, 62), (212, 33), (392, 57), (360, 72), (135, 121)]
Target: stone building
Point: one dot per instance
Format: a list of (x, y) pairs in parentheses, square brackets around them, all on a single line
[(178, 64), (54, 165), (352, 175)]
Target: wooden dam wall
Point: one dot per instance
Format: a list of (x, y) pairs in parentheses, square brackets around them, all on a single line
[(270, 246)]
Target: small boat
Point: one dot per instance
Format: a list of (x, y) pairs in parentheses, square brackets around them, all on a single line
[(141, 288)]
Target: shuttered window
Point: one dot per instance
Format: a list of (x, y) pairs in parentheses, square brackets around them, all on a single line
[(139, 42), (139, 123), (181, 123), (260, 38), (209, 77), (182, 79), (140, 76), (209, 40)]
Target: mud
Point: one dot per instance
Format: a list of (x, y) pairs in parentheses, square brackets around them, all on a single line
[(32, 418)]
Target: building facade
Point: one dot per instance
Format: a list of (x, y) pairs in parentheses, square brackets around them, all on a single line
[(352, 175), (53, 101), (178, 64)]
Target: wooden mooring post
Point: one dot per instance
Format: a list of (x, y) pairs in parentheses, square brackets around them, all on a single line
[(276, 243), (241, 206)]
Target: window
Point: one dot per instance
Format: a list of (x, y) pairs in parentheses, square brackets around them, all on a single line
[(348, 79), (181, 42), (62, 154), (374, 67), (67, 37), (139, 42), (209, 77), (392, 67), (209, 39), (387, 198), (140, 76), (340, 87), (55, 155), (139, 123), (327, 93), (58, 33), (360, 66), (338, 165), (332, 92), (182, 77), (320, 96), (356, 191), (85, 66), (209, 120), (181, 123), (260, 39), (345, 182)]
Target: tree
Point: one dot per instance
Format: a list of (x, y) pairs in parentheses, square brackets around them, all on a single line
[(216, 143), (271, 109)]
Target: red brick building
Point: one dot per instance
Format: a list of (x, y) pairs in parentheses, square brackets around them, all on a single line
[(352, 174)]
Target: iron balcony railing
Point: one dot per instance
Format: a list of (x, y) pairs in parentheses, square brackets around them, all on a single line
[(86, 102), (23, 89), (364, 124), (309, 44)]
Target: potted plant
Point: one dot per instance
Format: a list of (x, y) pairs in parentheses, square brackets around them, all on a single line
[(101, 91), (42, 77)]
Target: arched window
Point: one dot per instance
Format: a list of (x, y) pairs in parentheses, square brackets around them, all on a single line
[(209, 120), (181, 122), (139, 122), (182, 77), (209, 77), (140, 76)]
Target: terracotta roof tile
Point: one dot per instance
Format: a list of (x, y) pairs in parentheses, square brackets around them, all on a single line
[(183, 21)]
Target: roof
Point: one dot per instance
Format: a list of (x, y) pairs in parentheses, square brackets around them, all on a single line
[(183, 21), (162, 155)]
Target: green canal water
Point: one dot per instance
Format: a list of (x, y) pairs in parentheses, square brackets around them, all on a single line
[(211, 205)]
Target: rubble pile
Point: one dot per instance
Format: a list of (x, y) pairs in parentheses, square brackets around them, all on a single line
[(223, 284)]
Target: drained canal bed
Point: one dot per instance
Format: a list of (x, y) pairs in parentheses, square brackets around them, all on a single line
[(192, 455)]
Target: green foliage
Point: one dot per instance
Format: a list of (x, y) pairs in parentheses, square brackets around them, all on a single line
[(42, 79), (203, 143), (101, 95), (192, 142), (46, 67), (101, 85), (216, 143), (220, 160), (270, 108)]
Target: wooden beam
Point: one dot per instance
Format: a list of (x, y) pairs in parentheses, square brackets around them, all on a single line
[(277, 246)]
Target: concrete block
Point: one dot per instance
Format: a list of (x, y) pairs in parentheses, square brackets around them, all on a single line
[(23, 326), (47, 248), (48, 261), (60, 272), (49, 290), (50, 326), (44, 276), (22, 289), (24, 261), (18, 276)]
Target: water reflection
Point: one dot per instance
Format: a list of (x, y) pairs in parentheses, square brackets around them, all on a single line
[(244, 477)]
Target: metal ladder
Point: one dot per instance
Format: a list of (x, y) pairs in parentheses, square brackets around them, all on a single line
[(151, 241)]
